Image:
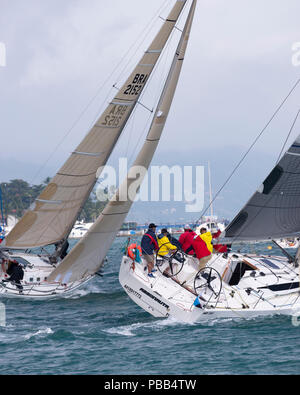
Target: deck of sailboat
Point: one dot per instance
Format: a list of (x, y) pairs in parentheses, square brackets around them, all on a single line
[(34, 284), (269, 285)]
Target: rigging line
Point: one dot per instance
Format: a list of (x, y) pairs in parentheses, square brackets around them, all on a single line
[(92, 100), (163, 78), (115, 86), (129, 138), (288, 136), (251, 146), (1, 207), (144, 34), (291, 129), (148, 30), (143, 134)]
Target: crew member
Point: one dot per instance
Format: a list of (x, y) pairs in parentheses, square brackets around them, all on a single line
[(164, 244), (201, 251), (149, 245), (16, 273), (207, 238), (186, 240)]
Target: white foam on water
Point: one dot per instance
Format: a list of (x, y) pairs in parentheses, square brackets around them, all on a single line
[(78, 293), (130, 330), (81, 292), (40, 332)]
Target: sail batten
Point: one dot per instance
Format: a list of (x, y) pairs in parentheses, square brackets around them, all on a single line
[(90, 155), (89, 253)]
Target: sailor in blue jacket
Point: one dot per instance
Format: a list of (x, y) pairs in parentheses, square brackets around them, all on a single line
[(149, 244)]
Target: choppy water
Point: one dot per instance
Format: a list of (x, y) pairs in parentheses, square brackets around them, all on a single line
[(99, 330)]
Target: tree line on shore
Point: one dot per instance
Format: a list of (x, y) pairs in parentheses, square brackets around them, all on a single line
[(18, 195)]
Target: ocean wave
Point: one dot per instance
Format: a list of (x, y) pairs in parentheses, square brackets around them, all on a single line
[(40, 333), (135, 328)]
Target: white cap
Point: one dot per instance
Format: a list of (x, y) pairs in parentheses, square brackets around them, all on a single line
[(187, 226)]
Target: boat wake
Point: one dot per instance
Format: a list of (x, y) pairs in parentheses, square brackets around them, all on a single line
[(139, 328)]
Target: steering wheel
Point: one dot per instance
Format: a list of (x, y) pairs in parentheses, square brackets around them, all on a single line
[(208, 279), (175, 261)]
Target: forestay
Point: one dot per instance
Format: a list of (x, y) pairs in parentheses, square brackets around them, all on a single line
[(55, 211), (274, 210), (87, 256)]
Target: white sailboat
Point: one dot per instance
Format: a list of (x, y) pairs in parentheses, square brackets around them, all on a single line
[(231, 284), (51, 218)]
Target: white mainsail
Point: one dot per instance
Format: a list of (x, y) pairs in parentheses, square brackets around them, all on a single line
[(55, 211), (88, 255)]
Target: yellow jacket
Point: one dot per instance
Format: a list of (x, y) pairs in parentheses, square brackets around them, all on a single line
[(207, 238), (164, 245)]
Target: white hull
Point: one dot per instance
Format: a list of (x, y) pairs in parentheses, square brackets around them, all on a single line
[(288, 243), (34, 284), (79, 230), (212, 227), (275, 291)]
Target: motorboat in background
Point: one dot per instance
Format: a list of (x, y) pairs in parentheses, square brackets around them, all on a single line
[(289, 243), (80, 229), (211, 224)]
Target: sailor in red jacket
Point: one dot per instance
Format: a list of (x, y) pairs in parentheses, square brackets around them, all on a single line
[(219, 248), (202, 252), (186, 240)]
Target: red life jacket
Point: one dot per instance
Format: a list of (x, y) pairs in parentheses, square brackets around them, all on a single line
[(200, 248), (186, 241)]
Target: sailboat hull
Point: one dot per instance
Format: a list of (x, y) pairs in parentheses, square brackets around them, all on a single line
[(34, 284), (266, 286)]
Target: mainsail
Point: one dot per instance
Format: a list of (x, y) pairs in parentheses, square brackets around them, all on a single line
[(55, 211), (89, 253), (274, 210)]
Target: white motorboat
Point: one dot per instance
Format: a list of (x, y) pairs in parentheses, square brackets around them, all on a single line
[(212, 226), (80, 229), (52, 216)]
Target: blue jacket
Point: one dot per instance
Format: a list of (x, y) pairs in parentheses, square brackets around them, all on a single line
[(148, 247)]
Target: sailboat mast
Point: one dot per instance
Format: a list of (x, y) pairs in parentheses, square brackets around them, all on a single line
[(89, 253), (210, 193)]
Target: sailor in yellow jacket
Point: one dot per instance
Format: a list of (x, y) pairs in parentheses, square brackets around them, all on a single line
[(164, 245), (207, 238)]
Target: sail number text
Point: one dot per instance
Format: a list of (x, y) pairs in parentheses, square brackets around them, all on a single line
[(115, 116), (137, 84)]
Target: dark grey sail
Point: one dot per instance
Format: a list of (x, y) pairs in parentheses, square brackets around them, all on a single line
[(274, 210)]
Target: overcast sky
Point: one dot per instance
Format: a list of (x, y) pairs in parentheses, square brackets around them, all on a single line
[(237, 70)]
